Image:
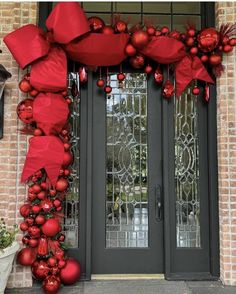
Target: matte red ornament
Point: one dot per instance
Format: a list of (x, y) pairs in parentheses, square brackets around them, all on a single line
[(33, 242), (151, 31), (120, 27), (51, 284), (100, 83), (34, 231), (107, 30), (227, 48), (25, 86), (24, 226), (165, 30), (43, 185), (137, 61), (66, 172), (168, 89), (108, 89), (120, 77), (96, 23), (70, 274), (130, 50), (25, 210), (195, 90), (25, 111), (43, 247), (140, 39), (208, 39), (26, 256), (40, 219), (40, 269), (36, 209), (51, 227), (67, 159), (158, 76), (215, 59), (46, 205), (148, 69), (83, 75)]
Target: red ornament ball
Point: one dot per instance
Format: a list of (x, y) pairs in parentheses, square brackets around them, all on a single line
[(42, 195), (158, 33), (38, 132), (148, 69), (61, 263), (204, 58), (120, 27), (25, 111), (215, 59), (67, 159), (51, 284), (107, 30), (158, 76), (151, 31), (194, 50), (33, 93), (225, 40), (100, 83), (189, 41), (195, 90), (121, 77), (40, 219), (51, 227), (34, 231), (232, 42), (36, 188), (46, 205), (40, 269), (96, 23), (208, 39), (61, 185), (191, 32), (227, 48), (108, 89), (25, 210), (175, 34), (33, 242), (137, 61), (70, 274), (25, 86), (52, 261), (168, 89), (36, 209), (26, 256), (165, 30), (130, 50), (24, 226), (140, 39)]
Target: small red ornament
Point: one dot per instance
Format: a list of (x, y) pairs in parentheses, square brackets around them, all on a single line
[(191, 32), (43, 247), (194, 50), (195, 90), (175, 34), (83, 75), (208, 39), (42, 195), (215, 59), (168, 89), (158, 76), (158, 33), (24, 226), (100, 83), (67, 146), (67, 159), (33, 93), (32, 197), (204, 58), (70, 274), (120, 77), (227, 48), (137, 61), (57, 203), (120, 27), (40, 219), (151, 31), (34, 231), (66, 172), (140, 39), (26, 256), (108, 89), (61, 185), (61, 238), (33, 242), (55, 270), (36, 188), (40, 269), (96, 23), (51, 284), (25, 86), (64, 93), (165, 30), (52, 261), (46, 205), (68, 101), (52, 192), (225, 40), (232, 42), (43, 185), (38, 132), (25, 210), (61, 263), (107, 30), (189, 41), (130, 50), (25, 111), (25, 240), (36, 209), (148, 69), (51, 227), (29, 221)]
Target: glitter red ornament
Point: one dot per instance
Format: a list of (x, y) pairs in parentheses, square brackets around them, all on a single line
[(43, 247), (51, 284), (208, 39), (46, 205), (40, 269), (25, 111), (168, 89)]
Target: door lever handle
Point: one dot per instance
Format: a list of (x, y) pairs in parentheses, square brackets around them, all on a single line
[(158, 204)]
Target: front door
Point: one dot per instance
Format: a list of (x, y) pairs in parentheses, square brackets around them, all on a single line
[(127, 212)]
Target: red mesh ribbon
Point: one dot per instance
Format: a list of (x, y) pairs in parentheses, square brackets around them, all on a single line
[(50, 112), (98, 49), (187, 69), (44, 152), (164, 50)]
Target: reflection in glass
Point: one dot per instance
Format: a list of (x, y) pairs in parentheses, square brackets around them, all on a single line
[(126, 166), (187, 171)]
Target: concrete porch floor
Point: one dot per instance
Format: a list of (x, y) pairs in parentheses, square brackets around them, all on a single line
[(137, 287)]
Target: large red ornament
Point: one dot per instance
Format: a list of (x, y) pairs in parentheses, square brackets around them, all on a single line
[(51, 227), (96, 23), (83, 75), (140, 39), (151, 31), (43, 246), (40, 269), (208, 39), (120, 27), (70, 274), (130, 50), (168, 89), (25, 210), (61, 185), (25, 111), (158, 76), (137, 61), (67, 159), (26, 256), (51, 284)]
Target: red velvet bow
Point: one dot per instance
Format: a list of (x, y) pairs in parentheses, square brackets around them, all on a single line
[(44, 152), (186, 70)]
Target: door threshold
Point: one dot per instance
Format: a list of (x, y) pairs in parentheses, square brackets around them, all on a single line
[(127, 277)]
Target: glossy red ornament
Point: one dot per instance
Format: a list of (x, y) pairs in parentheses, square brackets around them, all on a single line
[(51, 284), (232, 42), (227, 48), (148, 69), (165, 30), (67, 159), (24, 226), (195, 90), (151, 31), (40, 219), (191, 32), (36, 209), (40, 269), (42, 195), (158, 76), (168, 89), (33, 242), (108, 89), (51, 227), (83, 75), (215, 59), (46, 205), (26, 256), (33, 93), (108, 30), (96, 23), (25, 111), (70, 274), (120, 27), (38, 132), (25, 86), (120, 77), (36, 188), (100, 83), (189, 41), (130, 50), (25, 210), (52, 261), (137, 61), (204, 58), (43, 246), (194, 50), (140, 39), (34, 231), (208, 39), (61, 185), (57, 203)]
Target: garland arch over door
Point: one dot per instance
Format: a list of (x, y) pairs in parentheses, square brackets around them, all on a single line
[(181, 258)]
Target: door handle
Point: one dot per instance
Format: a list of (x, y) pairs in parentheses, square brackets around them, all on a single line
[(158, 204)]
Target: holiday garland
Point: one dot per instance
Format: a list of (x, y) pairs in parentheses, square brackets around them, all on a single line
[(191, 56)]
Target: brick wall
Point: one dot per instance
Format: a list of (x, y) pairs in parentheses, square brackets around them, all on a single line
[(13, 145), (226, 134)]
